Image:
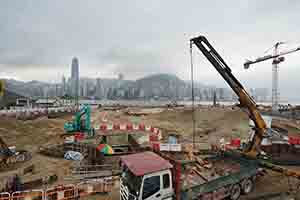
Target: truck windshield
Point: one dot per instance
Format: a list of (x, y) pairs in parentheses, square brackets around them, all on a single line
[(131, 181)]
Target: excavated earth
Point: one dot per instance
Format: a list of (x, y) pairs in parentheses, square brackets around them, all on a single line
[(211, 124)]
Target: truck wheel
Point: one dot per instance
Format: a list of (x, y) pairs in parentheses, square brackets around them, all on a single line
[(235, 192), (247, 186)]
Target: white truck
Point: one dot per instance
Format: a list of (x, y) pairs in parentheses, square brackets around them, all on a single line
[(149, 176)]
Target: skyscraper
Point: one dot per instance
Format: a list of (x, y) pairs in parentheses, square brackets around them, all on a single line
[(120, 80), (99, 89), (75, 78), (63, 86)]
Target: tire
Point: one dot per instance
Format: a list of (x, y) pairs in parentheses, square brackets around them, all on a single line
[(247, 186), (235, 192)]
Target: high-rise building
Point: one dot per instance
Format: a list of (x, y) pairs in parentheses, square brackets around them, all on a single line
[(99, 89), (63, 86), (85, 88), (120, 80), (75, 78), (45, 92)]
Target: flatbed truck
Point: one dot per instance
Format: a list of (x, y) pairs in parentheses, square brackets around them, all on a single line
[(152, 176)]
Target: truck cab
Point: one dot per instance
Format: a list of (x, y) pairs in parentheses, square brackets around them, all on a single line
[(146, 176)]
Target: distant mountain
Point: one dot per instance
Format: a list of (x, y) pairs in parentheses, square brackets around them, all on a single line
[(9, 98), (153, 86), (27, 89), (161, 85)]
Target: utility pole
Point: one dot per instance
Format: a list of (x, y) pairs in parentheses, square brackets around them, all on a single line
[(47, 110)]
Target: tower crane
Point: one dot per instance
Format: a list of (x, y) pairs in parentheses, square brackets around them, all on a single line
[(277, 58)]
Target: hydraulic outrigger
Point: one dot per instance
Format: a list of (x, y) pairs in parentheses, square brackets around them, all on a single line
[(252, 149)]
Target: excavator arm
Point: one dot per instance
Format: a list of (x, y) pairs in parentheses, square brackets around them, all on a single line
[(253, 148), (81, 122)]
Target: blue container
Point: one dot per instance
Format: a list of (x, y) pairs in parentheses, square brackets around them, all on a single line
[(172, 139)]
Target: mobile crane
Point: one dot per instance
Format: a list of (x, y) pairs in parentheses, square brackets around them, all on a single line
[(150, 176), (252, 149)]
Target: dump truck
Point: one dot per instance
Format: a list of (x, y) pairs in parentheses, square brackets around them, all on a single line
[(152, 176)]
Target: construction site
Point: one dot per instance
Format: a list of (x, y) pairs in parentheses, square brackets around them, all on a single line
[(155, 152)]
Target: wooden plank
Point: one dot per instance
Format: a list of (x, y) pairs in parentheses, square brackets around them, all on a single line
[(199, 174)]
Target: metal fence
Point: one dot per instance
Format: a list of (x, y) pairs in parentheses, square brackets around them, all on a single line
[(63, 192)]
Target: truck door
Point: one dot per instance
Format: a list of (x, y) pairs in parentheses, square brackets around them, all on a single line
[(167, 189), (151, 187), (157, 186)]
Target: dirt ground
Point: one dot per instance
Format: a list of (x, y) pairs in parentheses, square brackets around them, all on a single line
[(31, 135), (211, 124)]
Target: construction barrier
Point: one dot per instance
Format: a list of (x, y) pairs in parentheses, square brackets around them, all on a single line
[(155, 136), (94, 187), (85, 189), (141, 127), (294, 140), (4, 196), (28, 195), (123, 127), (116, 127), (236, 142), (63, 192), (156, 146), (129, 127)]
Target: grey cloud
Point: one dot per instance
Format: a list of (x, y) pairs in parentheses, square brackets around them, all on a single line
[(140, 37), (134, 61)]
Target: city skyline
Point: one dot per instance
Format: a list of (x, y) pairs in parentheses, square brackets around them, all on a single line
[(39, 40)]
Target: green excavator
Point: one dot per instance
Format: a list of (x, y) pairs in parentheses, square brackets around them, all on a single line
[(81, 122)]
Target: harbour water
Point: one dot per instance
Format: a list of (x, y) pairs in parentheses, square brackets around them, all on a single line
[(162, 103)]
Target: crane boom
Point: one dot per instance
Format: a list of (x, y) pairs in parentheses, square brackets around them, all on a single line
[(246, 102), (267, 57), (253, 148)]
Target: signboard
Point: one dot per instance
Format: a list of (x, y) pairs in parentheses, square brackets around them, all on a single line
[(175, 147), (2, 88), (164, 147), (169, 147)]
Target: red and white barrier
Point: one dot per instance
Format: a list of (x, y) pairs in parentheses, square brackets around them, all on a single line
[(155, 133), (4, 196), (294, 140), (63, 192), (28, 195)]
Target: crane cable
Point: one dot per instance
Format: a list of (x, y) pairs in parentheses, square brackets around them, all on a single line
[(193, 95)]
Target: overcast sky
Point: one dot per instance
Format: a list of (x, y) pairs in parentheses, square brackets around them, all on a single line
[(38, 38)]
